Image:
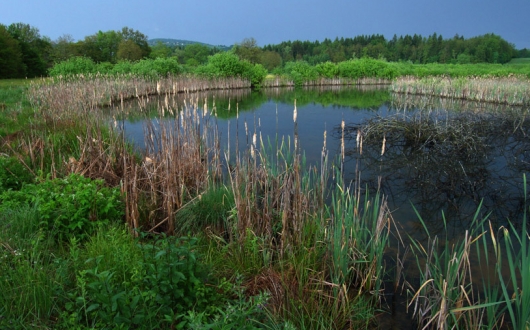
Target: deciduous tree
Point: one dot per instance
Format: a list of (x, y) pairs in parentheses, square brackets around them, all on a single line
[(11, 64), (129, 50)]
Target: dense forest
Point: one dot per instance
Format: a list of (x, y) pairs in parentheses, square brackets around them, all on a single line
[(488, 48), (25, 53)]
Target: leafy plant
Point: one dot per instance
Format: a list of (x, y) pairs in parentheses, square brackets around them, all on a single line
[(73, 66), (74, 205), (165, 283)]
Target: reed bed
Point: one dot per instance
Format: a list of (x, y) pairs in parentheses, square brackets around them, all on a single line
[(70, 95), (509, 90), (281, 81)]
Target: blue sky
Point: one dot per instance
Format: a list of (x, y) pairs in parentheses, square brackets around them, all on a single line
[(224, 22)]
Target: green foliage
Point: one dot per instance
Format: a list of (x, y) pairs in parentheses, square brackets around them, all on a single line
[(300, 72), (104, 67), (34, 50), (160, 50), (196, 54), (73, 66), (11, 64), (211, 209), (152, 283), (157, 67), (256, 73), (122, 67), (228, 64), (488, 48), (327, 69), (30, 274), (129, 50), (73, 206), (13, 174), (366, 67), (224, 65)]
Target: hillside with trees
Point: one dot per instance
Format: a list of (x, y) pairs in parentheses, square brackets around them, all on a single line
[(25, 53)]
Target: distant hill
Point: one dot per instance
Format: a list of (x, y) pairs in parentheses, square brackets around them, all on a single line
[(179, 42)]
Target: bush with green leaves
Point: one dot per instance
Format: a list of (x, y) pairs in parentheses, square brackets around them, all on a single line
[(152, 283), (72, 206), (228, 64), (122, 67), (366, 67), (327, 69), (157, 67), (73, 66), (223, 65), (301, 72)]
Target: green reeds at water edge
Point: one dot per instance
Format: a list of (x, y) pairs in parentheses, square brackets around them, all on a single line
[(510, 91), (483, 288)]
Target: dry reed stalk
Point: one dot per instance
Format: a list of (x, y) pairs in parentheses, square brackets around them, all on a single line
[(62, 97), (509, 90)]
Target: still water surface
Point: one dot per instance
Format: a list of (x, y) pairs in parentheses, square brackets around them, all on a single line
[(431, 174)]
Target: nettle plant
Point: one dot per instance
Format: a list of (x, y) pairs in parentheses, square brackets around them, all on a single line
[(73, 206)]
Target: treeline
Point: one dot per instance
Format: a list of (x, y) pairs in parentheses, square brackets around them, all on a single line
[(488, 48), (25, 53)]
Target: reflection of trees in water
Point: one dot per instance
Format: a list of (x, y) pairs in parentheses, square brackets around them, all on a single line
[(446, 160)]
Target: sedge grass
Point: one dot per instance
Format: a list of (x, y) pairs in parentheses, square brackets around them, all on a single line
[(30, 273), (516, 287), (509, 90), (452, 295)]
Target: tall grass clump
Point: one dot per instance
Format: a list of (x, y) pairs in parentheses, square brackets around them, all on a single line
[(319, 264), (508, 90), (455, 293), (30, 274), (514, 253), (446, 281)]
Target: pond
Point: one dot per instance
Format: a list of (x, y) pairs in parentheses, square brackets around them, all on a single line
[(436, 158)]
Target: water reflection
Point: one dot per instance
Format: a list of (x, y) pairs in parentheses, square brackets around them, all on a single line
[(439, 154), (445, 155)]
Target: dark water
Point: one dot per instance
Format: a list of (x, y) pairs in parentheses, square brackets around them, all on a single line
[(480, 158)]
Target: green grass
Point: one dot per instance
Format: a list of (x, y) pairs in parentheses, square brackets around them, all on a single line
[(15, 111), (519, 61)]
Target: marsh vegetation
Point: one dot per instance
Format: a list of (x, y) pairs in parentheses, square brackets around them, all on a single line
[(271, 236)]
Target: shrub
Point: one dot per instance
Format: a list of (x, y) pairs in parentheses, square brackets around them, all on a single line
[(228, 64), (165, 282), (73, 66), (366, 67), (157, 67), (256, 73), (301, 72), (74, 205), (104, 67), (327, 69), (122, 67), (224, 65)]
